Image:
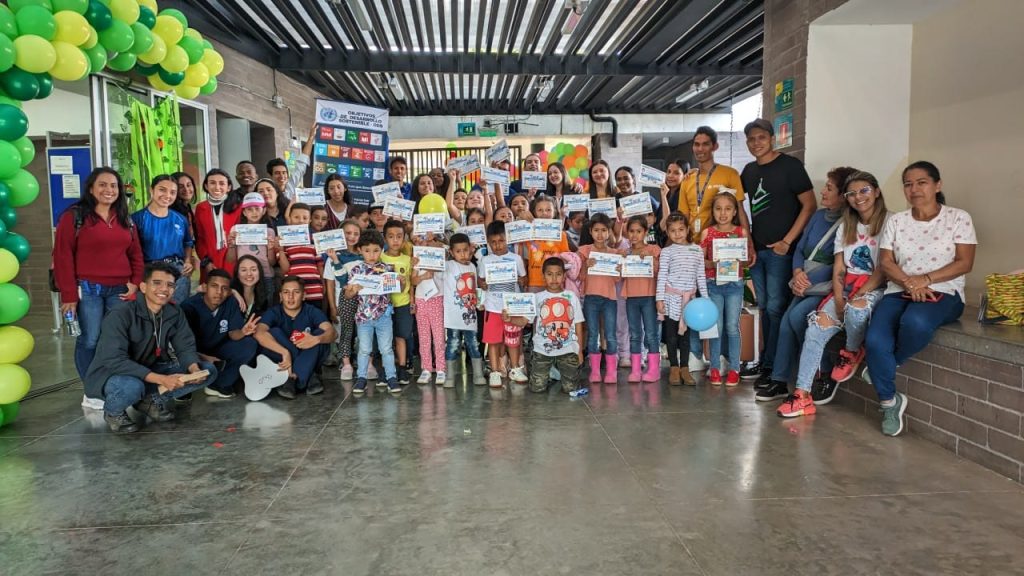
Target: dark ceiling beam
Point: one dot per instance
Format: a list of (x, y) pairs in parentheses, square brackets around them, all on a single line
[(586, 24), (724, 52), (469, 109), (494, 64), (541, 14), (721, 25), (290, 12), (651, 48), (610, 88), (203, 17)]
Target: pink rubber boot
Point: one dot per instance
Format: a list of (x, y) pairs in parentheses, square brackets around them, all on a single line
[(611, 368), (653, 372), (635, 368), (595, 368)]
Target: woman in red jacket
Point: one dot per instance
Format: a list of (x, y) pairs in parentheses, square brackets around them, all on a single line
[(97, 258), (215, 217)]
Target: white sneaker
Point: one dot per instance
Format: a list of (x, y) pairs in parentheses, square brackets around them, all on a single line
[(346, 372), (425, 377), (495, 380), (92, 403), (217, 393), (371, 372), (441, 377), (697, 364), (518, 374)]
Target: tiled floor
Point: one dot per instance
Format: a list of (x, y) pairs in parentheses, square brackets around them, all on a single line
[(634, 479)]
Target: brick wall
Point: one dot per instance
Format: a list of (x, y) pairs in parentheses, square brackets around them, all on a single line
[(785, 56), (969, 404)]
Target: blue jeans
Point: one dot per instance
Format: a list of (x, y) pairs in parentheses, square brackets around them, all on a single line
[(121, 391), (771, 275), (93, 304), (728, 298), (384, 329), (642, 314), (791, 336), (596, 308), (855, 322), (304, 362), (899, 329), (455, 341)]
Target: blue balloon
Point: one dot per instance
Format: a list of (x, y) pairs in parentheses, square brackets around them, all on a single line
[(700, 314)]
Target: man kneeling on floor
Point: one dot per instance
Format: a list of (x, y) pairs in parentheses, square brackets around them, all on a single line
[(146, 355), (223, 335), (298, 337)]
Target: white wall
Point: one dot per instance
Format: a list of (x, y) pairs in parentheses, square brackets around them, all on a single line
[(62, 111), (234, 142), (858, 101)]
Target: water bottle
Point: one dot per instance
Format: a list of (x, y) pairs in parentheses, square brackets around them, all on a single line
[(71, 322)]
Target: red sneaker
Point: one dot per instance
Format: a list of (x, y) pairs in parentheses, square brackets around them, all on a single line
[(732, 378), (715, 377), (796, 404), (847, 365)]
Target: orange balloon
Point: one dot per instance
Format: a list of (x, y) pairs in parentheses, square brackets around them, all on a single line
[(581, 151)]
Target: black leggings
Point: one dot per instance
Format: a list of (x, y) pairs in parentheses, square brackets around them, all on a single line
[(678, 345)]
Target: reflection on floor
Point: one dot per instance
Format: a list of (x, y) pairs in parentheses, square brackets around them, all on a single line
[(53, 359), (633, 479)]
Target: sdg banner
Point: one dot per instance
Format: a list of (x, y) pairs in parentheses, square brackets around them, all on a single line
[(352, 141)]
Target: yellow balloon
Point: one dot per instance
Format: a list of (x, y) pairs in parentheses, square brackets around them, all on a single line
[(169, 29), (16, 344), (93, 39), (14, 383), (187, 92), (33, 54), (9, 267), (151, 4), (157, 82), (197, 75), (194, 34), (72, 64), (126, 11), (176, 60), (156, 53), (72, 27), (433, 204), (213, 61)]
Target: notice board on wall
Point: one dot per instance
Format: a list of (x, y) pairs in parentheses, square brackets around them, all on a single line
[(67, 168)]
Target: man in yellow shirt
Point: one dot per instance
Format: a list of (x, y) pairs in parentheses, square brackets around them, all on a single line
[(699, 187)]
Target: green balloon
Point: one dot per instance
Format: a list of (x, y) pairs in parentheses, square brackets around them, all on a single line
[(97, 57), (118, 37), (143, 39), (146, 69), (5, 194), (207, 44), (36, 20), (24, 188), (10, 412), (209, 88), (172, 78), (10, 159), (45, 85), (19, 84), (146, 17), (177, 15), (14, 303), (194, 48), (99, 15), (17, 245), (17, 5), (6, 53), (79, 6), (8, 25), (124, 61), (13, 122), (3, 228), (9, 217), (26, 149)]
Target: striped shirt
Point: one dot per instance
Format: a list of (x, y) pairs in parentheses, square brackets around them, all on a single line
[(682, 270), (303, 261)]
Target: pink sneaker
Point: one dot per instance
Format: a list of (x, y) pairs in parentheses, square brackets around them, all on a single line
[(714, 377), (732, 378), (847, 365)]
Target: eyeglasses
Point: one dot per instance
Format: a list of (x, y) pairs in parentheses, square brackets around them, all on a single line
[(862, 192)]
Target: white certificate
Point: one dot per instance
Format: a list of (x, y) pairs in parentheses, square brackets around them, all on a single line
[(430, 258), (386, 190), (476, 234), (465, 164), (399, 208), (517, 304), (636, 204), (310, 196), (636, 266), (651, 176), (603, 206), (548, 230), (727, 271), (605, 265), (329, 240), (429, 223), (501, 272), (518, 231), (250, 234), (495, 176), (535, 180), (377, 284), (498, 152), (297, 235), (575, 203), (729, 249)]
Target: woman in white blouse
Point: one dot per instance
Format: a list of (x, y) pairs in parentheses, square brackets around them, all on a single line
[(925, 252)]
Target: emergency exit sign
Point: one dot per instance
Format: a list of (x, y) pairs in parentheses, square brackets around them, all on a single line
[(467, 129)]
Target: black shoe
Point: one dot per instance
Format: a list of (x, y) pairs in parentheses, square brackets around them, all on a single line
[(750, 371), (394, 387), (403, 375), (186, 399), (315, 385), (763, 381), (287, 390), (155, 409), (360, 387), (775, 389), (824, 390), (121, 423)]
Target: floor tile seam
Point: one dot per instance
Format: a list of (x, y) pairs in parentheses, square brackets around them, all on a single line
[(657, 509), (882, 495), (151, 525), (41, 438)]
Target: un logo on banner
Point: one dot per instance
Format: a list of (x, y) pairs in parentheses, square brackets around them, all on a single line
[(328, 114)]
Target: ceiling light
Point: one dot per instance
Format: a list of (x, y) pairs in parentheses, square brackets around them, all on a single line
[(693, 91), (546, 84), (396, 88)]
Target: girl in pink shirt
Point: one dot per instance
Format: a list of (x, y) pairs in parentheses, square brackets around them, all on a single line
[(600, 302)]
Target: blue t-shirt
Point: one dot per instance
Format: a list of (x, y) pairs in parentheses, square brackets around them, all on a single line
[(165, 237), (308, 319), (211, 327)]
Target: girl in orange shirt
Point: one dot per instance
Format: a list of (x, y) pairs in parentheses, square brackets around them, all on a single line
[(535, 252), (641, 312)]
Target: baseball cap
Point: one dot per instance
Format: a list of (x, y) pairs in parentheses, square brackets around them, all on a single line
[(761, 124), (253, 199)]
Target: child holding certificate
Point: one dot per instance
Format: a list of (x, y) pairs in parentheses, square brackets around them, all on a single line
[(343, 310), (303, 261), (254, 211), (501, 271), (600, 300), (373, 314), (429, 285), (398, 256), (460, 312), (535, 252), (680, 275), (638, 288), (725, 265)]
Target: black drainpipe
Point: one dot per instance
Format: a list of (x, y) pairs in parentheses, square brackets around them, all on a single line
[(615, 127)]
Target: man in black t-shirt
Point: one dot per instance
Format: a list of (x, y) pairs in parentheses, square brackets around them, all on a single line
[(781, 203)]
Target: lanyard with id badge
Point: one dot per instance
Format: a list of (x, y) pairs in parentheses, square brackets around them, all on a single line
[(700, 196)]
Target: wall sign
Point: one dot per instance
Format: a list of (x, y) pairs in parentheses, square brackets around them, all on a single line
[(467, 129), (784, 95), (351, 140)]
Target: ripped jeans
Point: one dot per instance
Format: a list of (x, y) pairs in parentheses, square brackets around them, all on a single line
[(855, 322)]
